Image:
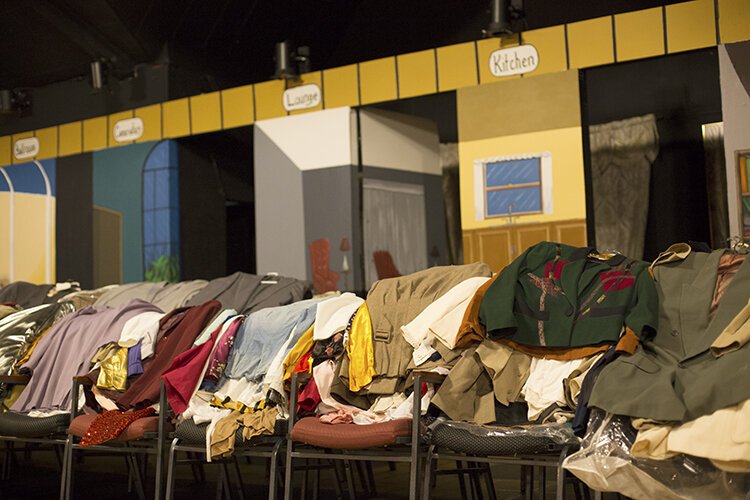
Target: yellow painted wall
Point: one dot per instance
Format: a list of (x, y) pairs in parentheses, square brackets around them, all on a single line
[(565, 145), (734, 20), (548, 121), (28, 237)]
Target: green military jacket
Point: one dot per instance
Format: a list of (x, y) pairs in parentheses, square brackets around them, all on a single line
[(556, 295)]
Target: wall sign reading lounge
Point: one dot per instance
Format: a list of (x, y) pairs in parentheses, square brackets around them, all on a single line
[(128, 130), (514, 60), (26, 148), (302, 97)]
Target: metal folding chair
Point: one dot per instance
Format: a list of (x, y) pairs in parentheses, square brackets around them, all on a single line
[(151, 443), (531, 462), (405, 449), (15, 428), (267, 447)]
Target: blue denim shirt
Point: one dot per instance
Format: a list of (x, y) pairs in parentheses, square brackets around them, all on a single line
[(263, 333)]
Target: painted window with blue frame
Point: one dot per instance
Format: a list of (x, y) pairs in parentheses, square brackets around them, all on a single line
[(161, 213), (513, 187)]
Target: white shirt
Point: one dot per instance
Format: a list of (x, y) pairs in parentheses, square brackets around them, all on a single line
[(143, 327), (443, 317), (333, 314)]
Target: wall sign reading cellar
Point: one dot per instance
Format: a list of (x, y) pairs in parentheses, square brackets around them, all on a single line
[(514, 60), (26, 148), (302, 97), (128, 130)]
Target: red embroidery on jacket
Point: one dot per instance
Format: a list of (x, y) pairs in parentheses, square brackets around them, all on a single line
[(616, 280), (556, 271)]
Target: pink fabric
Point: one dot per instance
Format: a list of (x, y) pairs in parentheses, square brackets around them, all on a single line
[(338, 417), (218, 362), (183, 376)]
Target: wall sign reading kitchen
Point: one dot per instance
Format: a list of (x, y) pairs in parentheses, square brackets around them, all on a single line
[(26, 148), (302, 97), (128, 130), (514, 60)]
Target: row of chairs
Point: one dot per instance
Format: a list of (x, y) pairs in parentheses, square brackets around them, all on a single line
[(305, 445)]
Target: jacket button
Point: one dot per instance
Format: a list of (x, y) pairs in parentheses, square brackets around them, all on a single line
[(569, 311), (675, 333)]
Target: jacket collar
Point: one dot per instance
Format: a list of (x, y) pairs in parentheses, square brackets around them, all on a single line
[(583, 252), (733, 300)]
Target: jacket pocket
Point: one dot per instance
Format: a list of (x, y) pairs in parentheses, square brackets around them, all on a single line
[(600, 312), (641, 361)]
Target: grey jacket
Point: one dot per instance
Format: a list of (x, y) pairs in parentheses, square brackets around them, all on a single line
[(675, 377)]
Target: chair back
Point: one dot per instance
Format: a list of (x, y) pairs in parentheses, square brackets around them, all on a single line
[(384, 265), (324, 280)]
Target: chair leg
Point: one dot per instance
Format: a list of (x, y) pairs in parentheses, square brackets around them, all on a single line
[(171, 464), (489, 482), (58, 455), (274, 468), (133, 463), (543, 482), (336, 466), (288, 472), (476, 486), (428, 468), (199, 472), (9, 457), (240, 490), (362, 480), (316, 480), (303, 491), (220, 487), (461, 479), (529, 482), (223, 488), (371, 478), (350, 480), (560, 491), (64, 474), (69, 468)]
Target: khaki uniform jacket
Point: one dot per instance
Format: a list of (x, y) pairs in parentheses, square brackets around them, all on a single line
[(675, 376), (393, 303)]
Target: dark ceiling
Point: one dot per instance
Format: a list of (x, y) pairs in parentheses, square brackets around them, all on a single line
[(46, 41)]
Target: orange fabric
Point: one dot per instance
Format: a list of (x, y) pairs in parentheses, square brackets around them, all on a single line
[(626, 344), (471, 330), (303, 365)]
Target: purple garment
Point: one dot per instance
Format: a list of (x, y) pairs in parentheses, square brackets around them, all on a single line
[(66, 352), (219, 359), (135, 367)]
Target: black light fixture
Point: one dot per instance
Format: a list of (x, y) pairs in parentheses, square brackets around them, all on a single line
[(499, 19), (290, 62), (6, 102), (99, 74), (15, 101)]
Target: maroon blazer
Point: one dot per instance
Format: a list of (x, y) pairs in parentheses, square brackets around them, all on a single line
[(178, 330)]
